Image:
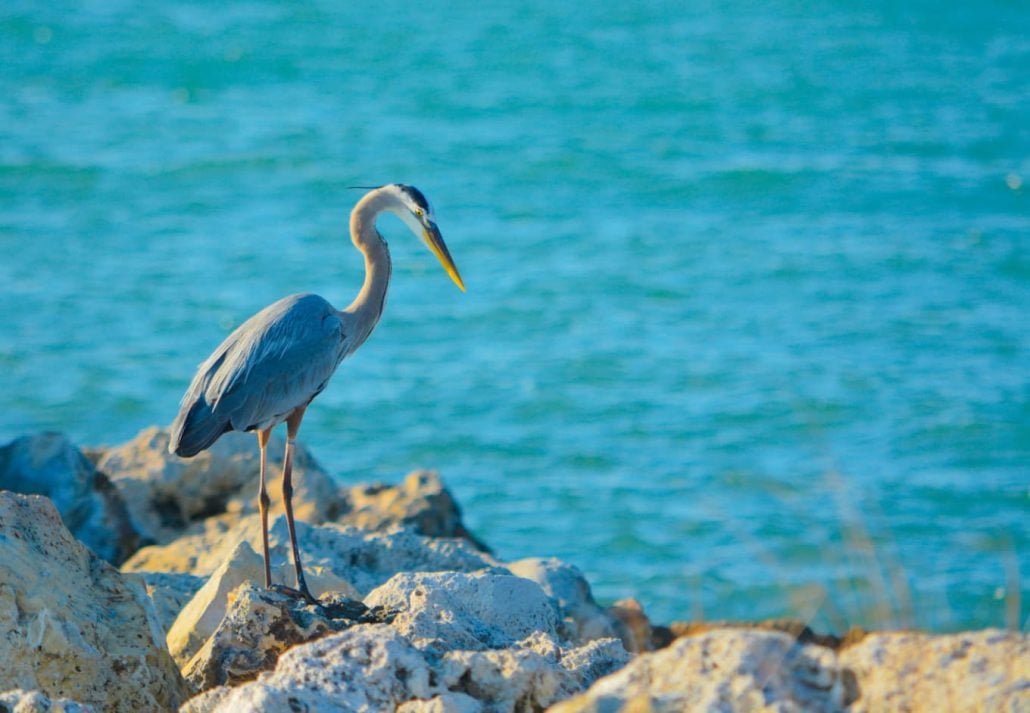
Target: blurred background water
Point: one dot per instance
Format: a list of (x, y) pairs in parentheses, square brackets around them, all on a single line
[(746, 331)]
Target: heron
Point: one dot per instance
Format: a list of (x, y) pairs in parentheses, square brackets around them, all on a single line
[(273, 365)]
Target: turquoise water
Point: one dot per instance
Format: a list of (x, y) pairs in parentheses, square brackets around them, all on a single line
[(746, 330)]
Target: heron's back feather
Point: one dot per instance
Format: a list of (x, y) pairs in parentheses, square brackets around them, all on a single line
[(275, 362)]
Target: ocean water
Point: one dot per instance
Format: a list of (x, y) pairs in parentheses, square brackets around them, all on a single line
[(746, 331)]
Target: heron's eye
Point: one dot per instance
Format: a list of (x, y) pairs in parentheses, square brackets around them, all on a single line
[(418, 212)]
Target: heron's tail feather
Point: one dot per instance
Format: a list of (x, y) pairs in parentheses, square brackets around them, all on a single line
[(195, 429)]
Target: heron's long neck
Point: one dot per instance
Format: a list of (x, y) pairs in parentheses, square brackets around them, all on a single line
[(367, 307)]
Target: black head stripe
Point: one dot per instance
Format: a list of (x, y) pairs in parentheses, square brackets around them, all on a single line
[(415, 195)]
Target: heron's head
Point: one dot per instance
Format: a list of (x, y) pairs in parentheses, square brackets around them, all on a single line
[(413, 208)]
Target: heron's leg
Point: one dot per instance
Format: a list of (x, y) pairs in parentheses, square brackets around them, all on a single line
[(263, 501), (292, 426)]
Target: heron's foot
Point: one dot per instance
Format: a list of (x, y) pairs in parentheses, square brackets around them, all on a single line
[(302, 593)]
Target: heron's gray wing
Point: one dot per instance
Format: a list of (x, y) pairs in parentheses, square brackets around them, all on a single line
[(276, 361)]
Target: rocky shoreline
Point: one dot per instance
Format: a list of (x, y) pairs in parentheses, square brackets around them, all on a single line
[(128, 582)]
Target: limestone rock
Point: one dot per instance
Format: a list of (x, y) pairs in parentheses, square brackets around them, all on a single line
[(259, 625), (373, 667), (48, 464), (168, 592), (369, 667), (19, 701), (985, 670), (748, 669), (445, 611), (167, 494), (444, 703), (495, 637), (420, 503), (70, 624), (530, 676), (723, 670), (364, 559), (583, 619), (205, 611)]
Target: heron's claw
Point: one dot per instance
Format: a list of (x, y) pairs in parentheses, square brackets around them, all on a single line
[(296, 593)]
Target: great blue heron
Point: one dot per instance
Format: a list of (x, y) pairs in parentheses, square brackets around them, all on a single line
[(271, 367)]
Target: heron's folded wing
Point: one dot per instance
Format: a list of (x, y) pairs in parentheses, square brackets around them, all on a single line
[(276, 361)]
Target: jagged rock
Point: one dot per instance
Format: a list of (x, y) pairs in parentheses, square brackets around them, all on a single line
[(95, 512), (259, 625), (444, 611), (70, 624), (199, 618), (374, 667), (985, 670), (495, 636), (166, 495), (723, 670), (532, 675), (455, 641), (747, 669), (364, 559), (169, 593), (369, 667), (420, 502), (583, 619), (19, 701)]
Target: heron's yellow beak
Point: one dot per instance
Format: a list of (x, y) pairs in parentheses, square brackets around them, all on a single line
[(431, 236)]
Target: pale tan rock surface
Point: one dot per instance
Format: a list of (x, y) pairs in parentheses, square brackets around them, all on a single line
[(70, 625), (722, 670), (363, 559), (985, 671), (91, 507), (738, 669), (166, 495), (420, 502), (199, 618)]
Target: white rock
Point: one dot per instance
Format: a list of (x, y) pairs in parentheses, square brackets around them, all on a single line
[(526, 679), (444, 611), (583, 619), (366, 668)]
